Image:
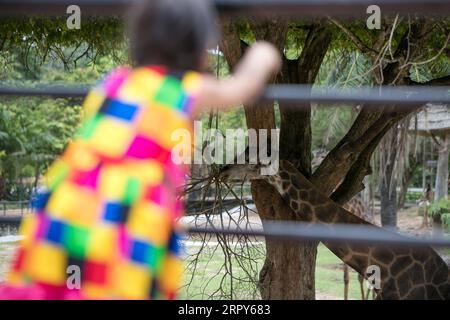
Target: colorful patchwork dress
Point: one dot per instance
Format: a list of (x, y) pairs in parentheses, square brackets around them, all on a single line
[(110, 213)]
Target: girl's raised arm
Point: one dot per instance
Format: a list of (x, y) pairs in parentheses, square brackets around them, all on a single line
[(261, 61)]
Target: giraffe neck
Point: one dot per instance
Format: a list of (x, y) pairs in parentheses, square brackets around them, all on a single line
[(405, 273), (357, 207)]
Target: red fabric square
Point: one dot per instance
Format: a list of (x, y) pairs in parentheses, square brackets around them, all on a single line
[(95, 272), (18, 260), (87, 178), (155, 194), (144, 148), (158, 69)]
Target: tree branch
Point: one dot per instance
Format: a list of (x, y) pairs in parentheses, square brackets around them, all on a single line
[(352, 183), (354, 38), (435, 139), (443, 81), (295, 124), (230, 43), (336, 164)]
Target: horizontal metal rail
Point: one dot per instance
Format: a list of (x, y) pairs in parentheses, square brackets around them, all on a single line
[(290, 94), (336, 233), (299, 231), (298, 8)]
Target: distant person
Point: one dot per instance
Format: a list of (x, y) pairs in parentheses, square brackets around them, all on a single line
[(425, 201)]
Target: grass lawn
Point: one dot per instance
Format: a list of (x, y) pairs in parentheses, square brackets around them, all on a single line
[(330, 276), (210, 270), (6, 251)]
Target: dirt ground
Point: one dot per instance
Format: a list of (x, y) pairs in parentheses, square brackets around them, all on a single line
[(409, 222)]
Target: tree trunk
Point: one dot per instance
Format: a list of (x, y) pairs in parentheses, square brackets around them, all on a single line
[(388, 185), (388, 206), (2, 187), (437, 224), (409, 172), (441, 189), (289, 268)]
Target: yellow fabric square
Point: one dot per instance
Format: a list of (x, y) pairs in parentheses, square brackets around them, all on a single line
[(87, 209), (131, 281), (149, 222), (171, 275), (160, 122), (103, 243), (80, 157), (14, 278), (149, 172), (27, 230), (55, 173), (94, 291), (62, 201), (111, 137), (113, 180), (47, 263), (76, 205), (140, 87), (93, 102), (192, 82)]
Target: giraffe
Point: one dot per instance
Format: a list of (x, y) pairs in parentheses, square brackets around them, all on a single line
[(357, 207), (406, 273)]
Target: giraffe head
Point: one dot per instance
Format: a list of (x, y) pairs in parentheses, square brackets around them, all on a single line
[(250, 165), (240, 172)]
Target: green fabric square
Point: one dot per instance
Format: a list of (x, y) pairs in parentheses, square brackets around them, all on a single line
[(132, 191), (61, 175), (155, 258), (88, 128), (170, 93), (76, 241)]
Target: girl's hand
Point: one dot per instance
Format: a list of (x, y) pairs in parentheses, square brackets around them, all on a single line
[(267, 54), (261, 61)]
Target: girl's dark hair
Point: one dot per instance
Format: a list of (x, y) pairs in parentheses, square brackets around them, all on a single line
[(173, 33)]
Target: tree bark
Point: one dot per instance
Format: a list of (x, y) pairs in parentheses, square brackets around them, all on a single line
[(408, 175), (441, 189), (388, 184), (289, 268)]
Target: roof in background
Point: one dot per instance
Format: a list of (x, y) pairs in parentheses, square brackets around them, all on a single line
[(434, 118)]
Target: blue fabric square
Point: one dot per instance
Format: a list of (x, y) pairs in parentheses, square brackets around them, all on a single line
[(119, 109), (116, 212), (174, 243), (183, 99), (139, 251), (55, 232), (39, 201)]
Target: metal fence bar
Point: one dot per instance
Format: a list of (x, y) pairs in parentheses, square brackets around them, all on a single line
[(337, 233), (401, 95), (300, 231), (298, 8)]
